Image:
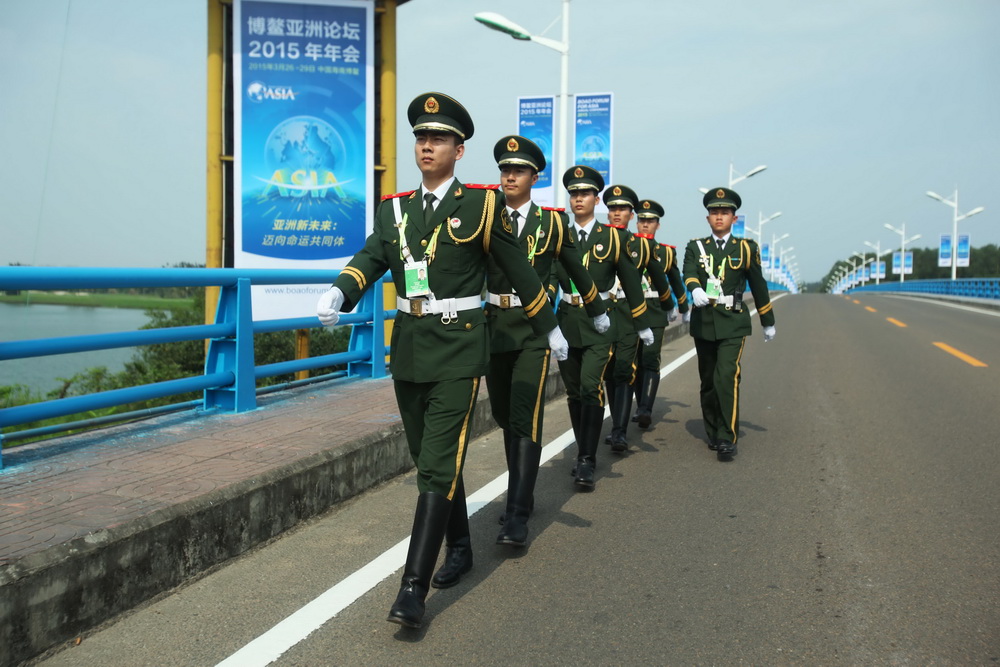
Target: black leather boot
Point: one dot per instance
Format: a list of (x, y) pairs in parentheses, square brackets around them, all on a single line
[(621, 406), (429, 521), (591, 421), (525, 455), (649, 382), (574, 418), (458, 543)]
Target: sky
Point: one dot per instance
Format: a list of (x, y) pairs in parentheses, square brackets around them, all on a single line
[(856, 107)]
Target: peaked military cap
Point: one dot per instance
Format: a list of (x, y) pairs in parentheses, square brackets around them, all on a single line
[(517, 150), (649, 209), (722, 198), (437, 112), (620, 195), (579, 177)]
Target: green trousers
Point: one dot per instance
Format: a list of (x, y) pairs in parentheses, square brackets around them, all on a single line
[(719, 369), (583, 373), (437, 419), (649, 355), (516, 381)]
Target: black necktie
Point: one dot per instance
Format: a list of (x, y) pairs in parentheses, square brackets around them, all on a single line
[(514, 216), (583, 237), (428, 204), (721, 243)]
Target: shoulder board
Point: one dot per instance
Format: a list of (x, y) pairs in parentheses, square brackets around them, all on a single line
[(608, 224), (481, 186), (550, 208), (667, 245), (644, 236), (398, 194)]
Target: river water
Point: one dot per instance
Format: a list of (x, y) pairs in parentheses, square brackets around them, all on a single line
[(40, 374)]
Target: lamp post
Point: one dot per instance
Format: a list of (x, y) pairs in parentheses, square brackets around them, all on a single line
[(864, 259), (761, 221), (770, 258), (508, 27), (955, 219), (902, 248), (734, 179), (877, 247)]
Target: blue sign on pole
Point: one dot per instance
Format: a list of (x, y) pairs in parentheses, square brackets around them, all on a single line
[(740, 226), (593, 132), (765, 254), (964, 250), (303, 77), (944, 251), (535, 116)]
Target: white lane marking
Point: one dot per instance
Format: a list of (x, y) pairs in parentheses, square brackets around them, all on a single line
[(982, 310), (270, 646)]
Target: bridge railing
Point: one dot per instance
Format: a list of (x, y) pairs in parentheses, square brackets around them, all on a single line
[(972, 288), (229, 379)]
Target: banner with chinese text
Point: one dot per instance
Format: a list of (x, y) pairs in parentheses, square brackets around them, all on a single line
[(592, 133), (303, 80), (535, 121)]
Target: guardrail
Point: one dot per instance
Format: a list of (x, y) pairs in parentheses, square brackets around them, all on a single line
[(972, 288), (229, 380)]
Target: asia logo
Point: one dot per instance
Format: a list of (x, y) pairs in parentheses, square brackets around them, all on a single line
[(259, 92)]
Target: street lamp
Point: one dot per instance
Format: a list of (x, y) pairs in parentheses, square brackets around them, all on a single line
[(902, 248), (877, 247), (864, 260), (506, 26), (955, 219), (761, 221), (739, 177), (771, 253)]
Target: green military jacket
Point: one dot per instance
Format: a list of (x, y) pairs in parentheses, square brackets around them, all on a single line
[(546, 241), (738, 264), (469, 225), (642, 250), (666, 257), (606, 256)]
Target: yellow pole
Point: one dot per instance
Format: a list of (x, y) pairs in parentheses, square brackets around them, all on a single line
[(214, 154), (387, 126)]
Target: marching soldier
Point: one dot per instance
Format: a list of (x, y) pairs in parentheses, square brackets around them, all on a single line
[(620, 375), (519, 358), (717, 269), (648, 216), (440, 342), (606, 256)]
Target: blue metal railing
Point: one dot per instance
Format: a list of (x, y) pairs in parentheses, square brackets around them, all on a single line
[(974, 288), (229, 380)]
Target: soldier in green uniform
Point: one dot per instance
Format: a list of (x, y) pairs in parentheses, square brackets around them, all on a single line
[(648, 216), (717, 269), (519, 358), (606, 256), (620, 376), (440, 342)]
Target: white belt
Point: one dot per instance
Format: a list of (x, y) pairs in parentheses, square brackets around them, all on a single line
[(619, 293), (651, 294), (504, 300), (447, 308), (577, 300), (727, 300)]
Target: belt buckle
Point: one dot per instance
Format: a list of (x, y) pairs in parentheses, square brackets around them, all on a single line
[(417, 307), (576, 299), (505, 301)]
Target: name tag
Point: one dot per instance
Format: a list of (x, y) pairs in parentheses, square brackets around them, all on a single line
[(415, 274), (714, 289)]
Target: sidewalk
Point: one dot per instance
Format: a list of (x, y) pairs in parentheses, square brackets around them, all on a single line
[(92, 525)]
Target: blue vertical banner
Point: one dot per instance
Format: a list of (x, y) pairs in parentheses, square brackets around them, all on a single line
[(897, 263), (303, 81), (944, 251), (963, 250), (592, 132), (880, 270), (535, 116), (740, 226), (908, 263), (765, 255)]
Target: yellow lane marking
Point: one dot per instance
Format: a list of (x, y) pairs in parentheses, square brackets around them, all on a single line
[(856, 301), (870, 309), (896, 322), (972, 361)]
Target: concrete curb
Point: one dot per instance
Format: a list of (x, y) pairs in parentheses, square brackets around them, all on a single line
[(57, 594)]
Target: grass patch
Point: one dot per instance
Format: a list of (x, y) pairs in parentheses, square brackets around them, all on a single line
[(101, 300)]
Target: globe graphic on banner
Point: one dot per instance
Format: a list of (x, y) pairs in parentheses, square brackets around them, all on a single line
[(303, 210), (304, 142)]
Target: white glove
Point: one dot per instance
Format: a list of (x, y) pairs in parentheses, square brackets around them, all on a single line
[(699, 297), (769, 333), (646, 336), (672, 315), (558, 345), (602, 323), (328, 306), (687, 317)]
